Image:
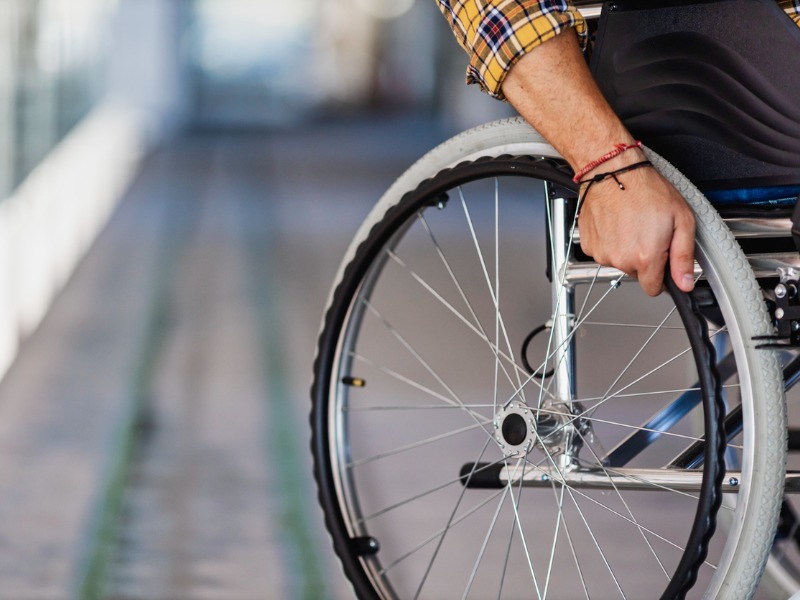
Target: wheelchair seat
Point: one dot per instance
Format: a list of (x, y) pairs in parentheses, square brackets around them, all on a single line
[(713, 87)]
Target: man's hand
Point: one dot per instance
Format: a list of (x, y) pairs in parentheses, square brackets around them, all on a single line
[(639, 228), (636, 229)]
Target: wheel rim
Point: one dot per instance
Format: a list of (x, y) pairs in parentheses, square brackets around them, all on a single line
[(350, 455)]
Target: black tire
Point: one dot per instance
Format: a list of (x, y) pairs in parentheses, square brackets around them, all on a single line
[(387, 492)]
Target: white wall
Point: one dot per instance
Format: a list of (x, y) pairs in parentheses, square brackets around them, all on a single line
[(51, 219), (146, 69)]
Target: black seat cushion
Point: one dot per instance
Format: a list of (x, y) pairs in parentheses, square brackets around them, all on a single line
[(714, 87)]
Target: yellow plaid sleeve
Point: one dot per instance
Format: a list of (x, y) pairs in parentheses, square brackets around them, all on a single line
[(497, 33), (792, 8)]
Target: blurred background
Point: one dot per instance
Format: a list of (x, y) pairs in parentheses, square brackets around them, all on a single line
[(179, 179)]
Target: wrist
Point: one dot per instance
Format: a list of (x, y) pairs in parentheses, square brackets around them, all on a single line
[(619, 155), (623, 160)]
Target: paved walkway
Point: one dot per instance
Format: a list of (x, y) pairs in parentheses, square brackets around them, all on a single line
[(203, 507), (153, 432), (153, 436)]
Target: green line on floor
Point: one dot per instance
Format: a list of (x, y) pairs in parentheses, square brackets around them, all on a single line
[(154, 328), (285, 443)]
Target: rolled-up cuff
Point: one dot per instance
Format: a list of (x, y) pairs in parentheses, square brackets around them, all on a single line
[(791, 8), (500, 39)]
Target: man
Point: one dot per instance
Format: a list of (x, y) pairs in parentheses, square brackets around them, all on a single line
[(529, 52)]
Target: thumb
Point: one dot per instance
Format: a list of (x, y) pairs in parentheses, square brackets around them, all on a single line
[(681, 256)]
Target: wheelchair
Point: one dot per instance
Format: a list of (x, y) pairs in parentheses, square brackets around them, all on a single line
[(497, 416)]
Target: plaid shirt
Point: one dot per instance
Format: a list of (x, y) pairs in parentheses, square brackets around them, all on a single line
[(497, 33), (792, 8)]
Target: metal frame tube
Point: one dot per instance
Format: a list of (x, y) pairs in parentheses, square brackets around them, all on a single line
[(563, 299), (628, 479)]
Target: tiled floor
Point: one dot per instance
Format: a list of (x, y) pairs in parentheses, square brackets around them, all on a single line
[(191, 324)]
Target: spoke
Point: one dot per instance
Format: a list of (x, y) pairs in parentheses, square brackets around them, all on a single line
[(640, 326), (499, 317), (641, 349), (415, 354), (572, 549), (549, 355), (492, 293), (575, 490), (648, 429), (579, 315), (511, 534), (428, 492), (564, 486), (412, 446), (518, 521), (478, 330), (653, 393), (656, 329), (477, 327), (653, 484), (624, 503), (585, 414), (576, 327), (570, 490), (403, 407), (485, 543), (607, 397), (479, 253), (505, 562), (658, 431), (638, 428), (594, 419), (650, 372), (648, 530), (582, 516), (559, 521), (402, 378), (596, 543), (439, 533), (449, 524), (500, 325), (551, 458)]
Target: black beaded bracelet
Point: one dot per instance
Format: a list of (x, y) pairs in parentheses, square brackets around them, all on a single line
[(612, 175)]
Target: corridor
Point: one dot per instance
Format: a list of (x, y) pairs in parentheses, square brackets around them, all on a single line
[(154, 428)]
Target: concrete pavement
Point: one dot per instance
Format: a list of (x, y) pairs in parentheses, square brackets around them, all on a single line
[(154, 429)]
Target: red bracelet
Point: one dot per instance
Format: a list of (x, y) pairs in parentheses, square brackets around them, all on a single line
[(618, 149)]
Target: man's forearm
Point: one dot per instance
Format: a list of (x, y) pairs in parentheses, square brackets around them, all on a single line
[(637, 228), (552, 89)]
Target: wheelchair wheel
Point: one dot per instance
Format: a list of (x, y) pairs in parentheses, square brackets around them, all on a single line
[(782, 575), (450, 465)]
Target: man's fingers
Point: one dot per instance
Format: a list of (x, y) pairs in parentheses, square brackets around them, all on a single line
[(651, 278), (681, 256)]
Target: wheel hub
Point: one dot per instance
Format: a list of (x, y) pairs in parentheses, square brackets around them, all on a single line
[(518, 428)]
